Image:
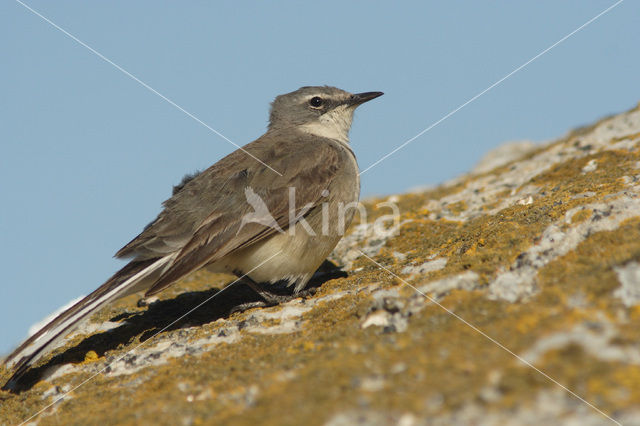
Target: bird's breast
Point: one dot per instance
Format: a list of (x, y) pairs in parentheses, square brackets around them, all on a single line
[(296, 253)]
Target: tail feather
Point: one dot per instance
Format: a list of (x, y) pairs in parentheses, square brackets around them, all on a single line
[(135, 276)]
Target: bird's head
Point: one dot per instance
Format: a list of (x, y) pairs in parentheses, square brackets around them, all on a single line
[(320, 110)]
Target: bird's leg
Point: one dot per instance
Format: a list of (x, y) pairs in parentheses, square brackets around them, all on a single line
[(269, 297), (246, 306), (307, 292)]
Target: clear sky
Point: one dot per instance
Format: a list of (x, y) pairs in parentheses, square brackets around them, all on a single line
[(88, 154)]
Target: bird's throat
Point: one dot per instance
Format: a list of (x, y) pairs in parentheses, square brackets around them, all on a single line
[(334, 125)]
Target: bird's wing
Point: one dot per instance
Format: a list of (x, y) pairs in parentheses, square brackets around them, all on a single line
[(207, 218)]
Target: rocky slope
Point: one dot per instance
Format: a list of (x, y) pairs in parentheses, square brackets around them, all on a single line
[(510, 295)]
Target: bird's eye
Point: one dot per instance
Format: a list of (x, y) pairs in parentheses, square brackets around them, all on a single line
[(316, 102)]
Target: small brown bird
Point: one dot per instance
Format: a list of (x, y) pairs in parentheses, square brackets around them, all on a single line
[(271, 211)]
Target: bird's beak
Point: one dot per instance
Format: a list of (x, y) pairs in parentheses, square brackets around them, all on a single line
[(360, 98)]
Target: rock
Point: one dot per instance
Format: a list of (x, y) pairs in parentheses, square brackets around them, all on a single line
[(629, 290), (510, 295), (502, 155)]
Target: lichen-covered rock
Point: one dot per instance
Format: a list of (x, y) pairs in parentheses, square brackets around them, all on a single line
[(507, 296)]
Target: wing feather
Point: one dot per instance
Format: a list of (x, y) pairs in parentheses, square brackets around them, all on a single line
[(210, 207)]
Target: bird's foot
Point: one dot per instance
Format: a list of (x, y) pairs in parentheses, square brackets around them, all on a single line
[(307, 292), (274, 295), (246, 306), (269, 299), (272, 299)]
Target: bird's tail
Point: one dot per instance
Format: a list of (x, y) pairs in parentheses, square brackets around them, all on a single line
[(135, 276)]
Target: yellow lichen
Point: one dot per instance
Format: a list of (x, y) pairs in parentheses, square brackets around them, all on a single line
[(581, 215), (91, 356)]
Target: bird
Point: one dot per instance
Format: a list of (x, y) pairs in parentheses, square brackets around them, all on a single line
[(269, 212)]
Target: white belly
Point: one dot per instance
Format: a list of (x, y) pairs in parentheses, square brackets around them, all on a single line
[(293, 258)]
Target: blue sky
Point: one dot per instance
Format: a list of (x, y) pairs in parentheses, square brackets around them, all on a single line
[(88, 154)]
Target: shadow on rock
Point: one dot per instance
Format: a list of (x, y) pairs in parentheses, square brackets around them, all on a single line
[(207, 305)]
